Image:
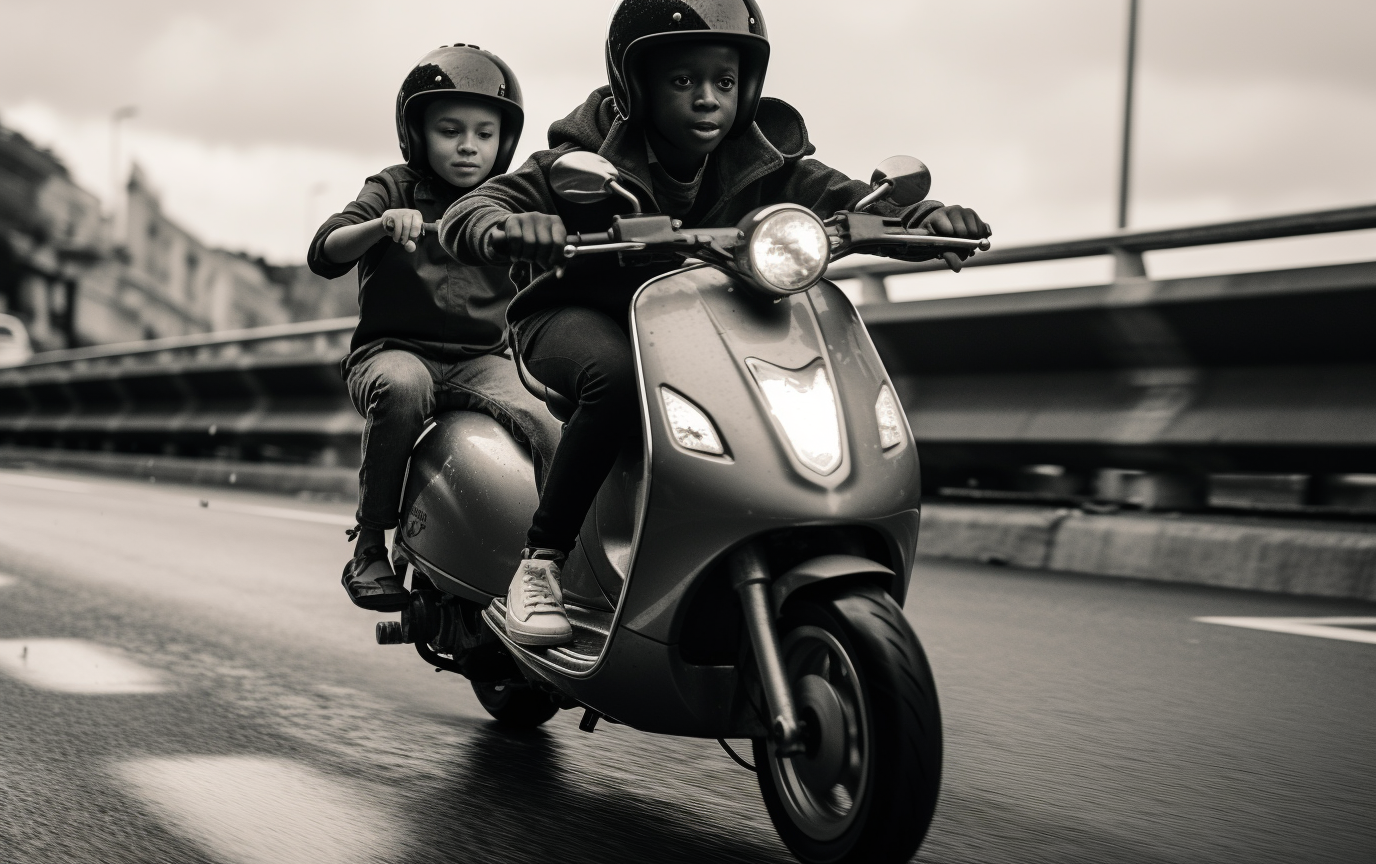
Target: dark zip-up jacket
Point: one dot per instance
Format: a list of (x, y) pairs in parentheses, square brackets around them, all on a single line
[(767, 165), (422, 301)]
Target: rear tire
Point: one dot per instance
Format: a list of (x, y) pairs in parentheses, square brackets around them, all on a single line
[(867, 788), (515, 704)]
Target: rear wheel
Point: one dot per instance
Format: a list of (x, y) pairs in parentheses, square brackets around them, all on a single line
[(867, 786), (515, 703)]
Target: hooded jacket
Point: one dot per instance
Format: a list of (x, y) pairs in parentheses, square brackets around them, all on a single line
[(423, 301), (767, 165)]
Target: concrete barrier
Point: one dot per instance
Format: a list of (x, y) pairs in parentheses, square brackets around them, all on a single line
[(1324, 559)]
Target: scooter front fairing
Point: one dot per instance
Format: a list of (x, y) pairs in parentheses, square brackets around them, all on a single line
[(675, 646)]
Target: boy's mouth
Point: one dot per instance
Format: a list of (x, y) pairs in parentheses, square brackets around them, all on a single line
[(705, 129)]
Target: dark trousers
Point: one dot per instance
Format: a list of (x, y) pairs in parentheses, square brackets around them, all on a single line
[(585, 356), (397, 392)]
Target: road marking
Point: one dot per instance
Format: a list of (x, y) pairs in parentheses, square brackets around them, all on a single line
[(75, 666), (282, 513), (261, 810), (52, 484), (1324, 628)]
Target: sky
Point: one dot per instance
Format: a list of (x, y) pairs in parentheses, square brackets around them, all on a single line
[(258, 119)]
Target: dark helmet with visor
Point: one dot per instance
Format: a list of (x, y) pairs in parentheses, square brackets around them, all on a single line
[(638, 25), (469, 72)]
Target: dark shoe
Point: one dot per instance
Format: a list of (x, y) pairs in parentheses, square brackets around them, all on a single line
[(372, 584)]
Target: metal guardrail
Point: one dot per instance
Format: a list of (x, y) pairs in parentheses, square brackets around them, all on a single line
[(1125, 246), (1060, 393)]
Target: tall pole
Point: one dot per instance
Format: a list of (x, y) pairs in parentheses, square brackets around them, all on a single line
[(1125, 166), (118, 116)]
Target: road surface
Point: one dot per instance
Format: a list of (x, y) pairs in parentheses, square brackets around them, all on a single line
[(182, 679)]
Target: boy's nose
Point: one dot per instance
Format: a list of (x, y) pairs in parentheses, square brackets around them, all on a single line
[(705, 100)]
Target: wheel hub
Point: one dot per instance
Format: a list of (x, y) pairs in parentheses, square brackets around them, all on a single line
[(825, 733)]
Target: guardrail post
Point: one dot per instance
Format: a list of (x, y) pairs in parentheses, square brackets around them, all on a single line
[(872, 288), (1128, 264)]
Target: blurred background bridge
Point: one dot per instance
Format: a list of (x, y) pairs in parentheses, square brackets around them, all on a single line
[(1248, 400)]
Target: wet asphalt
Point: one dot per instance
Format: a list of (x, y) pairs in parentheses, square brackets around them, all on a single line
[(1086, 719)]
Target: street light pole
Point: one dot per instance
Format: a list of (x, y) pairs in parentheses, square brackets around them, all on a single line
[(116, 118), (1125, 165)]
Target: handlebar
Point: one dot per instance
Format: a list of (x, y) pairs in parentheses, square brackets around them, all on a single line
[(848, 232)]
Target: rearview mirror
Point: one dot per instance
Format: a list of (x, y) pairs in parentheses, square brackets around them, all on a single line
[(903, 180), (908, 178), (582, 177)]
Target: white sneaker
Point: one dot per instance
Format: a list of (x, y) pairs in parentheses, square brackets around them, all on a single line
[(535, 605)]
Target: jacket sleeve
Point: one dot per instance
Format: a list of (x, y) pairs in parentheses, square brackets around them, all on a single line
[(371, 203), (824, 190), (463, 230)]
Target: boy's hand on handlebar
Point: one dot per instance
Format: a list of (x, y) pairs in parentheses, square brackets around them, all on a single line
[(536, 237), (403, 226), (955, 221)]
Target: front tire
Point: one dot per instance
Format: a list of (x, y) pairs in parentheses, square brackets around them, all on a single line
[(515, 704), (867, 787)]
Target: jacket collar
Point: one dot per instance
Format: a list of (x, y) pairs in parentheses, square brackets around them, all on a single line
[(739, 161)]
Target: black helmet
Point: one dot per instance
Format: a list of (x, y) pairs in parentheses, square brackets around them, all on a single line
[(638, 24), (459, 70)]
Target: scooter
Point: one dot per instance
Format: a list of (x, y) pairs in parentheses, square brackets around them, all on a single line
[(742, 571)]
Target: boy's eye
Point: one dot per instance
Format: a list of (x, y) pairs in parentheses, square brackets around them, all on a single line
[(683, 81), (726, 83)]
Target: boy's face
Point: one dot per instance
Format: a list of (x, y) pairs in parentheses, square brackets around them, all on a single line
[(690, 93), (461, 140)]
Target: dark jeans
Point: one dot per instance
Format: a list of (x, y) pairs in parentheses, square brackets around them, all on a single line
[(397, 392), (585, 356)]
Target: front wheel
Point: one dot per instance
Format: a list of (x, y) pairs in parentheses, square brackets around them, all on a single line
[(515, 703), (867, 786)]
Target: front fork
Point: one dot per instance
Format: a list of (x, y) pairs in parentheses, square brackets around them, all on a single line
[(750, 578)]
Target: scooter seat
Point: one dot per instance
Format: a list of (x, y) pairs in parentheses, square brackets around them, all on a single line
[(559, 405)]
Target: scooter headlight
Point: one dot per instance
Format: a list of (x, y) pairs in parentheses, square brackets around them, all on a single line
[(689, 425), (803, 402), (786, 249)]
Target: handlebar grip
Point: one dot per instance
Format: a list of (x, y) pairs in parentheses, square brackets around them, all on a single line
[(430, 228)]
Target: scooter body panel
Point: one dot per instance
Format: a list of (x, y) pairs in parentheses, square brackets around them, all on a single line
[(694, 331), (654, 536), (469, 495)]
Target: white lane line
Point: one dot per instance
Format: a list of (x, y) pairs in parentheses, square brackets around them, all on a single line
[(282, 513), (260, 810), (54, 485), (1324, 628), (75, 666)]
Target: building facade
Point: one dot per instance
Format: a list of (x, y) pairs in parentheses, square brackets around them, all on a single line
[(72, 282)]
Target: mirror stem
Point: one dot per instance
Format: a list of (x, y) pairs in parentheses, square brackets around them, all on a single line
[(625, 193), (881, 190)]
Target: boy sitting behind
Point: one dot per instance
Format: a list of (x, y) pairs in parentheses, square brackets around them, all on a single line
[(684, 124), (431, 330)]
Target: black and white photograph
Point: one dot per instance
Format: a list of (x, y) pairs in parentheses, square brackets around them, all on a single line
[(614, 431)]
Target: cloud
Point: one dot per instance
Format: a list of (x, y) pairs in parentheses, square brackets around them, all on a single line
[(1245, 107)]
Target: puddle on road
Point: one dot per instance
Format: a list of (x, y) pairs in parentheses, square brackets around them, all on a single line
[(260, 810), (75, 666)]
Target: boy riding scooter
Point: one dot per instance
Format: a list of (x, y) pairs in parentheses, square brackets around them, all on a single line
[(683, 122), (431, 331)]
